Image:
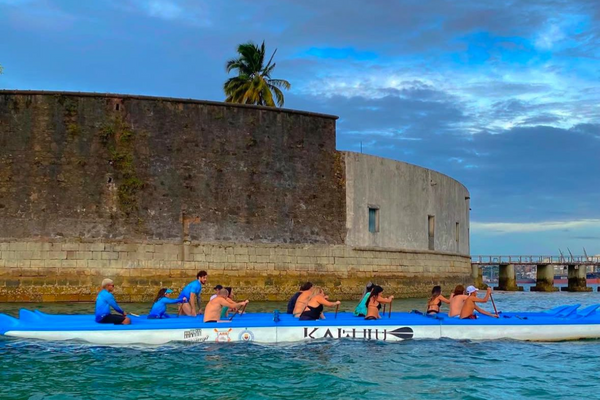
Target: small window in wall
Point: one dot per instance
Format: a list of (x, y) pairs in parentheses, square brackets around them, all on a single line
[(373, 219), (457, 236), (431, 229)]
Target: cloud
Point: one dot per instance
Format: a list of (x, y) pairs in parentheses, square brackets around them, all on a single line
[(529, 227)]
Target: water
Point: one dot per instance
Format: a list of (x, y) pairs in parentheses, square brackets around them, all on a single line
[(420, 369)]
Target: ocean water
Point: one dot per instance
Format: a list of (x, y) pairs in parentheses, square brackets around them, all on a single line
[(418, 369)]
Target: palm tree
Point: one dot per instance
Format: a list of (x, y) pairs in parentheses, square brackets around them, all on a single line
[(254, 84)]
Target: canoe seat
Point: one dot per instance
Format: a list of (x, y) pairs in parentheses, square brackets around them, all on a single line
[(568, 312), (586, 312)]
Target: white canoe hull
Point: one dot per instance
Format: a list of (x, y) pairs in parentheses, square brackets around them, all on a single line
[(391, 333)]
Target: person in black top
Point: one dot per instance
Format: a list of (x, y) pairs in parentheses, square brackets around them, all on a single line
[(314, 305), (292, 303)]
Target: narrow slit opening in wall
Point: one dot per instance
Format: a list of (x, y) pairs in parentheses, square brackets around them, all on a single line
[(457, 235), (431, 231), (117, 107), (373, 219)]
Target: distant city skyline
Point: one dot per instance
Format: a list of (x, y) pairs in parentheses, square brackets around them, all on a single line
[(503, 96)]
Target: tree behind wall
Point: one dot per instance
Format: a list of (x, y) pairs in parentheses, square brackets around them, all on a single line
[(254, 84)]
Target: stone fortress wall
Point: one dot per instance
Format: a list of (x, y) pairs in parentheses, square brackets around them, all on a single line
[(148, 191)]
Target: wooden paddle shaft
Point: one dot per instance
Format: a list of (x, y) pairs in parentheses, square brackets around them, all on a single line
[(241, 311), (390, 312), (494, 304), (337, 307)]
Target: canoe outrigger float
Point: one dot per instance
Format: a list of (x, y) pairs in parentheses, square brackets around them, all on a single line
[(561, 323)]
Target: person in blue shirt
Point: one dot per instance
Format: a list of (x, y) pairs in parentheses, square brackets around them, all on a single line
[(192, 293), (105, 301), (159, 309)]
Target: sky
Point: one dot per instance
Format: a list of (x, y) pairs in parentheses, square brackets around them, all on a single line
[(503, 96)]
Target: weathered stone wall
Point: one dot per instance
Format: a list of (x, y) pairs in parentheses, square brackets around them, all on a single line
[(72, 271), (405, 196), (148, 191), (94, 166)]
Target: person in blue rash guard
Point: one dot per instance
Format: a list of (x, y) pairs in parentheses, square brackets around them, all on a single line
[(104, 302), (159, 309), (192, 293)]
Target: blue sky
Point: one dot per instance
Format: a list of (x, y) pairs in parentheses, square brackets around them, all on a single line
[(502, 95)]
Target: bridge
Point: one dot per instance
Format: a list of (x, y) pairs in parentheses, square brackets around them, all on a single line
[(576, 274)]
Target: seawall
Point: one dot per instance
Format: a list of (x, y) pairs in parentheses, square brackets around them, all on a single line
[(72, 271)]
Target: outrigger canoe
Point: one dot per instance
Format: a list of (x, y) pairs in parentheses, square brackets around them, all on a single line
[(562, 323)]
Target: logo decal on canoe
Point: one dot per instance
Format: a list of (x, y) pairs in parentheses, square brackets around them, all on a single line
[(353, 333), (246, 336), (194, 335), (223, 336)]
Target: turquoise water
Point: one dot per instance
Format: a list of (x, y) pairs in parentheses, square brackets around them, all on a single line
[(441, 369)]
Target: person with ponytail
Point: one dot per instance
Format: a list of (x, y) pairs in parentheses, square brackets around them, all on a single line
[(374, 303), (361, 308), (435, 301), (159, 309)]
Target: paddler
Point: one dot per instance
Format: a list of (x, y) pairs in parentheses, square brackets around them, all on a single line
[(468, 310), (192, 293), (457, 301), (375, 301), (361, 308), (292, 303), (105, 301), (212, 312), (159, 308), (314, 305)]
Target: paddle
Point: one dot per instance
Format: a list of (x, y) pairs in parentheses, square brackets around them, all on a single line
[(390, 312), (384, 309), (494, 304), (337, 307), (242, 311)]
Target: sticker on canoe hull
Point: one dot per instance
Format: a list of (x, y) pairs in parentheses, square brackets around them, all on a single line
[(246, 336), (194, 335), (353, 333), (223, 336)]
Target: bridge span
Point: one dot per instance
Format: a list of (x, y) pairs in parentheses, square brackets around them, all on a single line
[(577, 268)]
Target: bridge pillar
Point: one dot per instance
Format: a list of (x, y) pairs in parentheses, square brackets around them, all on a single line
[(477, 276), (544, 279), (577, 275), (507, 278)]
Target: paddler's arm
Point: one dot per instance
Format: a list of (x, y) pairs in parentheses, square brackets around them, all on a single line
[(486, 298), (113, 303), (482, 311), (174, 301), (327, 303), (443, 299), (385, 300)]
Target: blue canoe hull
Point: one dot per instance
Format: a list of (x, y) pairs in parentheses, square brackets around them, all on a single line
[(562, 323)]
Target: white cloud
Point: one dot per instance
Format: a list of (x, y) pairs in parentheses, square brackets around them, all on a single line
[(548, 38), (527, 227)]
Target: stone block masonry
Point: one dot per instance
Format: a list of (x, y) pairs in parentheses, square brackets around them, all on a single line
[(32, 271)]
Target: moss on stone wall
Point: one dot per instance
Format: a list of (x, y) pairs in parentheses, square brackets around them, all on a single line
[(119, 139)]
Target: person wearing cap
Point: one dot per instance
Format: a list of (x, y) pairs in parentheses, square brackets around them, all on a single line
[(469, 308), (159, 308), (105, 301), (192, 293), (216, 289)]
